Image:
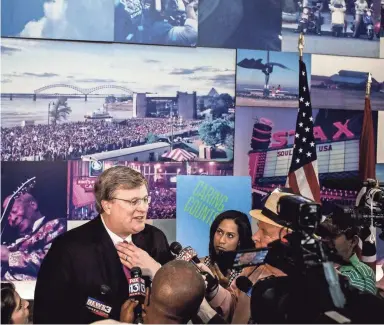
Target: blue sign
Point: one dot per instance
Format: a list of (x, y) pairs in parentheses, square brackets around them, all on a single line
[(199, 199)]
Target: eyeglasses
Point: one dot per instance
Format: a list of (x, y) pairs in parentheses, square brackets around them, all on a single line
[(135, 202)]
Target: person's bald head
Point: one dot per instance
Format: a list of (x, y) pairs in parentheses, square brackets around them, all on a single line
[(177, 293)]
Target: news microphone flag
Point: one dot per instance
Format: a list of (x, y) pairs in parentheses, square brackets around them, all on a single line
[(303, 175), (187, 254)]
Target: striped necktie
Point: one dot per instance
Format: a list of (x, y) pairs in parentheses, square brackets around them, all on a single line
[(127, 271)]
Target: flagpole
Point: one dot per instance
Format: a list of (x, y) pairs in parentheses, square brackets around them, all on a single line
[(301, 46), (368, 88)]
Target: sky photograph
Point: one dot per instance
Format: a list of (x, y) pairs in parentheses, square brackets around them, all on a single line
[(28, 65), (287, 77)]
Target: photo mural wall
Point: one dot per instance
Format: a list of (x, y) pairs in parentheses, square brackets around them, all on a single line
[(172, 88)]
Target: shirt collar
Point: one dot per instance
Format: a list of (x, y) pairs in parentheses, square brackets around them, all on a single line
[(37, 224), (354, 259), (115, 238), (353, 262)]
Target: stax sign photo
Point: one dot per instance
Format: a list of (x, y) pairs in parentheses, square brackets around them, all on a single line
[(280, 139), (136, 286), (289, 152)]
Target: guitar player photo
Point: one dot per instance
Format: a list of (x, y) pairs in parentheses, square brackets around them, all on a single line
[(33, 196)]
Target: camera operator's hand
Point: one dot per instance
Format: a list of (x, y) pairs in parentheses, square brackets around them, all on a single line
[(127, 314), (211, 281)]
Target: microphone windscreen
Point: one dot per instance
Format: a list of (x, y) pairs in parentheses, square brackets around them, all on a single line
[(244, 284), (136, 272), (186, 254), (104, 289), (175, 248)]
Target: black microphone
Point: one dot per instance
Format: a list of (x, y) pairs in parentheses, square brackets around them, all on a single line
[(137, 291), (100, 305), (188, 254), (245, 285)]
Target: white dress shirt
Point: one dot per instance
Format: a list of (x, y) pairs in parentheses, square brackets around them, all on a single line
[(115, 238)]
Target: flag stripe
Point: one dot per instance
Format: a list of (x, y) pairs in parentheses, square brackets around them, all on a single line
[(312, 181), (315, 168), (293, 183), (302, 182)]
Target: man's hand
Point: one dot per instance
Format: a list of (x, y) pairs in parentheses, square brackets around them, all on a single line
[(4, 253), (131, 256), (127, 314)]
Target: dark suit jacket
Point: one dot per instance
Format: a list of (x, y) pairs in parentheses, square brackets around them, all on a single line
[(78, 263)]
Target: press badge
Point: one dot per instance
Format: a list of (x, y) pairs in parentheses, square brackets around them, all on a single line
[(98, 308)]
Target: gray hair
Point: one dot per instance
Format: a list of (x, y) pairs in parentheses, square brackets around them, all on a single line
[(115, 178)]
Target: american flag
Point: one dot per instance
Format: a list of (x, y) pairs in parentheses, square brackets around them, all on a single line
[(303, 174)]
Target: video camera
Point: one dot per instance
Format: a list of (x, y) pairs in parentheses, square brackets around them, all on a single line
[(369, 209), (312, 291)]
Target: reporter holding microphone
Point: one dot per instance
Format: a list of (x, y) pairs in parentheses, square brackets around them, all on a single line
[(233, 304), (175, 297), (230, 231)]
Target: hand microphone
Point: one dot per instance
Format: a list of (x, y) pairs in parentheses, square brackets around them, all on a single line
[(136, 287), (245, 285), (100, 304), (188, 254)]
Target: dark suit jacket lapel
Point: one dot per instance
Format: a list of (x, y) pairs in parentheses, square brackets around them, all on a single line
[(110, 265), (139, 240)]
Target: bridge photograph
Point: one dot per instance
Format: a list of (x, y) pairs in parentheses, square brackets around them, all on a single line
[(71, 100)]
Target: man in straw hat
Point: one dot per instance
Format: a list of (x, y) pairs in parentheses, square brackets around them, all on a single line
[(233, 303)]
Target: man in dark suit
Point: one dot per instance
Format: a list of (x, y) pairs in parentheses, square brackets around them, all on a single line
[(90, 265)]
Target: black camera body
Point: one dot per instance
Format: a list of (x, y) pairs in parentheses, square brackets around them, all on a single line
[(368, 211), (299, 213)]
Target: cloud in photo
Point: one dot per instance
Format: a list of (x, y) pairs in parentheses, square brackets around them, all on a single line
[(7, 50), (96, 80), (151, 61), (31, 74), (41, 75), (74, 19), (182, 71)]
